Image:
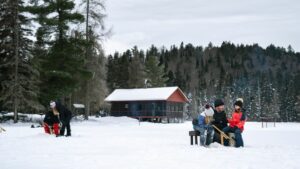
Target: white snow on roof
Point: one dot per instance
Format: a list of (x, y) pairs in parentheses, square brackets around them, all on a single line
[(78, 105), (162, 93)]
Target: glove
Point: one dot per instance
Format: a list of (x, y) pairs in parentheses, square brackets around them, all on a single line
[(235, 128)]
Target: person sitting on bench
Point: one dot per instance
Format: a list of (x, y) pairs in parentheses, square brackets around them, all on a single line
[(236, 123), (204, 126), (220, 119), (51, 123)]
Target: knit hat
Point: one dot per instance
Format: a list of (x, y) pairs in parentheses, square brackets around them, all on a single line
[(52, 104), (239, 102), (208, 112), (219, 102)]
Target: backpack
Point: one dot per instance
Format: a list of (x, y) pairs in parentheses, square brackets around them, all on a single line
[(195, 122)]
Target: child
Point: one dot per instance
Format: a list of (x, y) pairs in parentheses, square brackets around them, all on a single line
[(51, 120), (236, 123), (204, 126)]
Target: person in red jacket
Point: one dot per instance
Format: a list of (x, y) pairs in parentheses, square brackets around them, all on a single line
[(236, 123)]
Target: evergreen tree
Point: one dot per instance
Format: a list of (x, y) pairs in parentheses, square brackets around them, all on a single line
[(179, 80), (123, 72), (171, 79), (19, 78), (111, 71), (63, 66), (136, 70), (155, 72)]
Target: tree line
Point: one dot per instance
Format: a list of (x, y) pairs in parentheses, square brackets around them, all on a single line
[(267, 78)]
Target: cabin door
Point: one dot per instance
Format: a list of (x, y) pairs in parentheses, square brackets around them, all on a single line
[(134, 109), (153, 107)]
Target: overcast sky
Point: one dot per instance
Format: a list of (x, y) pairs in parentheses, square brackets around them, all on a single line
[(168, 22)]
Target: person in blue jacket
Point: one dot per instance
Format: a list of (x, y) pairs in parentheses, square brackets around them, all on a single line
[(203, 125)]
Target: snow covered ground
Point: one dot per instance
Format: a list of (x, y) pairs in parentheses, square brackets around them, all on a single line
[(114, 143)]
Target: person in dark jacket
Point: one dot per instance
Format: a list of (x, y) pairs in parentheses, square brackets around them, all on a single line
[(65, 116), (220, 119), (51, 121)]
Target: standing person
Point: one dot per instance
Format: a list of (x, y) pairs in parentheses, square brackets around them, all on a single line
[(220, 119), (237, 122), (203, 125), (51, 121), (65, 116)]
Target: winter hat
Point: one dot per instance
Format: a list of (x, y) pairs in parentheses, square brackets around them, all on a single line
[(52, 104), (219, 102), (239, 102), (209, 112)]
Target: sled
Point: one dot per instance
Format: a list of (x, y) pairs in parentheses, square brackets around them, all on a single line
[(224, 135), (2, 129)]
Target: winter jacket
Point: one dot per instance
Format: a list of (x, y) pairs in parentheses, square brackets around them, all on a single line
[(220, 119), (50, 118), (201, 121), (238, 119), (204, 120), (65, 115)]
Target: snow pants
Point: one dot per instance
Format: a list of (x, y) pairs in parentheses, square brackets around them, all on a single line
[(54, 129), (206, 134), (238, 135)]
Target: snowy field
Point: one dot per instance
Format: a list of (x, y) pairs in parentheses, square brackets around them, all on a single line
[(121, 143)]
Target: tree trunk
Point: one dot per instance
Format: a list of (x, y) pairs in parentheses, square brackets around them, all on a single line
[(87, 18), (16, 86), (87, 107), (87, 100)]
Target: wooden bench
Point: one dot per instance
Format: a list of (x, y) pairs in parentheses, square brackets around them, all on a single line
[(194, 134), (223, 136)]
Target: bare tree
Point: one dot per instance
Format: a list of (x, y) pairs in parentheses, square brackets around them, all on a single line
[(94, 18)]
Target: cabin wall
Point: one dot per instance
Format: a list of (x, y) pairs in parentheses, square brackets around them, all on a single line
[(177, 97), (139, 108), (148, 109), (174, 109)]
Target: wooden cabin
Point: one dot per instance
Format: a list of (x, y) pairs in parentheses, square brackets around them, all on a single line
[(163, 102)]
